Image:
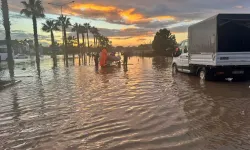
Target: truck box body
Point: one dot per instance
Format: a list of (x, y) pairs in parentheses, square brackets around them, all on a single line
[(222, 40)]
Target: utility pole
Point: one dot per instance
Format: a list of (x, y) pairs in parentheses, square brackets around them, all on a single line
[(61, 6)]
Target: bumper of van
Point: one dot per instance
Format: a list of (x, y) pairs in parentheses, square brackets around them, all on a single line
[(231, 71)]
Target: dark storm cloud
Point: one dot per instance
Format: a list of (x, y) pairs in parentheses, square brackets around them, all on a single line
[(156, 24), (130, 32), (21, 35), (121, 38), (179, 29)]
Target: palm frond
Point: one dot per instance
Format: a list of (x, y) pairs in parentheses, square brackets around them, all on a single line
[(55, 25), (26, 12), (32, 2), (33, 8), (67, 22), (46, 28), (25, 4), (56, 28), (82, 29), (41, 16), (39, 7)]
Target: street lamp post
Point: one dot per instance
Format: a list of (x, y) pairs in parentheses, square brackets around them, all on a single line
[(61, 6)]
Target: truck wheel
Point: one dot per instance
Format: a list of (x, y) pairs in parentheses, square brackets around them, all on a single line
[(206, 74), (202, 75)]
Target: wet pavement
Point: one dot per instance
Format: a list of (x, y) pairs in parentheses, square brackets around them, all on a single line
[(141, 107)]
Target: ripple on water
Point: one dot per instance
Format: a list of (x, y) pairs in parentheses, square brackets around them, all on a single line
[(145, 107)]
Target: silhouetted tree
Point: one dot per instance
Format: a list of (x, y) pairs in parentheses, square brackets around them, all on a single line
[(34, 9), (87, 26), (50, 26), (77, 28), (83, 30), (164, 42), (94, 32), (65, 23)]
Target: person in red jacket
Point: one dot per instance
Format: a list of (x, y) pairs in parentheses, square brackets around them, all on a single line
[(104, 56)]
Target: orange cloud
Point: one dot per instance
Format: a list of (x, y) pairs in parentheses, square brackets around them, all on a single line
[(160, 18), (131, 41), (130, 15), (93, 7), (114, 14)]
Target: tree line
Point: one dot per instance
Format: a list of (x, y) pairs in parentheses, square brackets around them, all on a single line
[(34, 9)]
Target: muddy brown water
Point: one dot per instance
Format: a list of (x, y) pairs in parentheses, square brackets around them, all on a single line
[(143, 107)]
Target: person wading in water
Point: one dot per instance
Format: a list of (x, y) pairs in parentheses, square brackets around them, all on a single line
[(103, 59), (97, 55), (125, 58)]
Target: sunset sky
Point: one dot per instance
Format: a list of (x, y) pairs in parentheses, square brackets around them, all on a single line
[(125, 22)]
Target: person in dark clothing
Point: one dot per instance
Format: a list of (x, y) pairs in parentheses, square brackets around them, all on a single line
[(125, 59), (96, 59)]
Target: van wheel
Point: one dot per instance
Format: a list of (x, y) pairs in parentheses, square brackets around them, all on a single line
[(202, 75), (174, 69), (206, 75)]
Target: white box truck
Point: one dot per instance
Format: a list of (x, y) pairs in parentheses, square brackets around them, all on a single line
[(217, 48)]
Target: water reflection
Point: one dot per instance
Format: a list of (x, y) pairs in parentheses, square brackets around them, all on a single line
[(216, 112), (16, 109), (160, 62), (145, 107)]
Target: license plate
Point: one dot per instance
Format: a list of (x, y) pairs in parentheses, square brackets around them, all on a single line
[(238, 72)]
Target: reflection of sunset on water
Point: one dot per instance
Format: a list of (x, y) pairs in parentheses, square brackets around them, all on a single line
[(143, 107)]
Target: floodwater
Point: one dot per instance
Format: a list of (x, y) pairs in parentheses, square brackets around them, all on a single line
[(143, 107)]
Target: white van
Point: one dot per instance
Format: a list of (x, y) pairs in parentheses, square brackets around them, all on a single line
[(217, 48)]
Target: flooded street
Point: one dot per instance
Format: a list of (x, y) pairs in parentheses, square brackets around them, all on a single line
[(144, 107)]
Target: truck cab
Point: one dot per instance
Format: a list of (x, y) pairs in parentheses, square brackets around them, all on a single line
[(181, 58)]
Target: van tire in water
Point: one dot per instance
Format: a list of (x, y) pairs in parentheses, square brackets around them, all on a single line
[(204, 74)]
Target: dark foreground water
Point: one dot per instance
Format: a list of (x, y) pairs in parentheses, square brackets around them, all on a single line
[(143, 108)]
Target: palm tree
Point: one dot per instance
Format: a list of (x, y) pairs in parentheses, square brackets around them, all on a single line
[(65, 23), (83, 30), (94, 32), (77, 28), (50, 26), (98, 35), (104, 41), (6, 24), (34, 9), (101, 40), (87, 26)]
